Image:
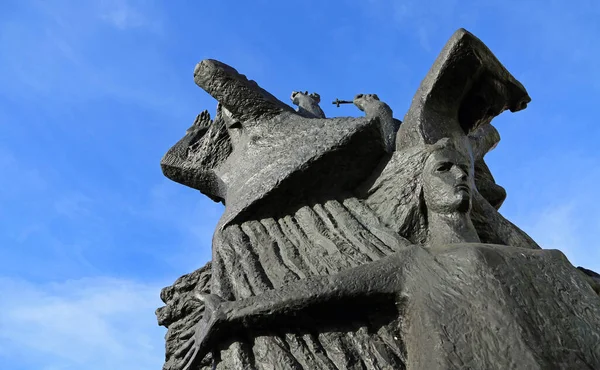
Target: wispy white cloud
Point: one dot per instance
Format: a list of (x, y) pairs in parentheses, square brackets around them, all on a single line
[(94, 323), (19, 178), (120, 14), (564, 228), (86, 228), (74, 205), (126, 14), (423, 20), (554, 201), (66, 52), (169, 204)]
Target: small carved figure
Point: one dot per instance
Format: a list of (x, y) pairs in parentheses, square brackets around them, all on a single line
[(373, 107), (308, 104)]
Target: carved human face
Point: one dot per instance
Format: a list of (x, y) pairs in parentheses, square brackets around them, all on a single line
[(447, 179)]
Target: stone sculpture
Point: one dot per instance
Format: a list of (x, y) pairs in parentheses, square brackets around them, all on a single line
[(308, 104), (369, 243)]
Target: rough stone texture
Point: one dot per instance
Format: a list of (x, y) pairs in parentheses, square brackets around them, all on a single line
[(592, 278), (465, 88), (182, 311), (369, 243), (438, 293), (308, 104)]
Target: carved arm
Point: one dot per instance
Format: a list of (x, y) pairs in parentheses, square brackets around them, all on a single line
[(336, 298), (322, 300)]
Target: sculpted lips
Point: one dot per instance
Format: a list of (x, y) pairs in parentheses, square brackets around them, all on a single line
[(464, 187)]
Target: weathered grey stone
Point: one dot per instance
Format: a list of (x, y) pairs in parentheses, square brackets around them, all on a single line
[(308, 104), (593, 278), (369, 243), (465, 88), (476, 306), (181, 311)]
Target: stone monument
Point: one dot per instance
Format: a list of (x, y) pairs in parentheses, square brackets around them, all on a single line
[(369, 243)]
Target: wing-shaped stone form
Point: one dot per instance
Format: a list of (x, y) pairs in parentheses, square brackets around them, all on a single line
[(463, 91), (258, 147), (465, 88)]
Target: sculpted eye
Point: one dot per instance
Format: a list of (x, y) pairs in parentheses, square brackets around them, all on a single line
[(443, 167)]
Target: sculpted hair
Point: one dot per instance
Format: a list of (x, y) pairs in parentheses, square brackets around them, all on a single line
[(396, 195)]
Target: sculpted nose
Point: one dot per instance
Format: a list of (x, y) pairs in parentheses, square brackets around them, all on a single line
[(460, 174)]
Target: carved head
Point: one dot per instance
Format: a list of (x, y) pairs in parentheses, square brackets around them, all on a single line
[(447, 179), (299, 96), (361, 101), (437, 178), (295, 97)]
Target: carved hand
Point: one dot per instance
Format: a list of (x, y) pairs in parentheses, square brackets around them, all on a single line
[(201, 338)]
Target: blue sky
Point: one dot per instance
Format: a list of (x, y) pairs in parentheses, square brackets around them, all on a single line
[(93, 93)]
